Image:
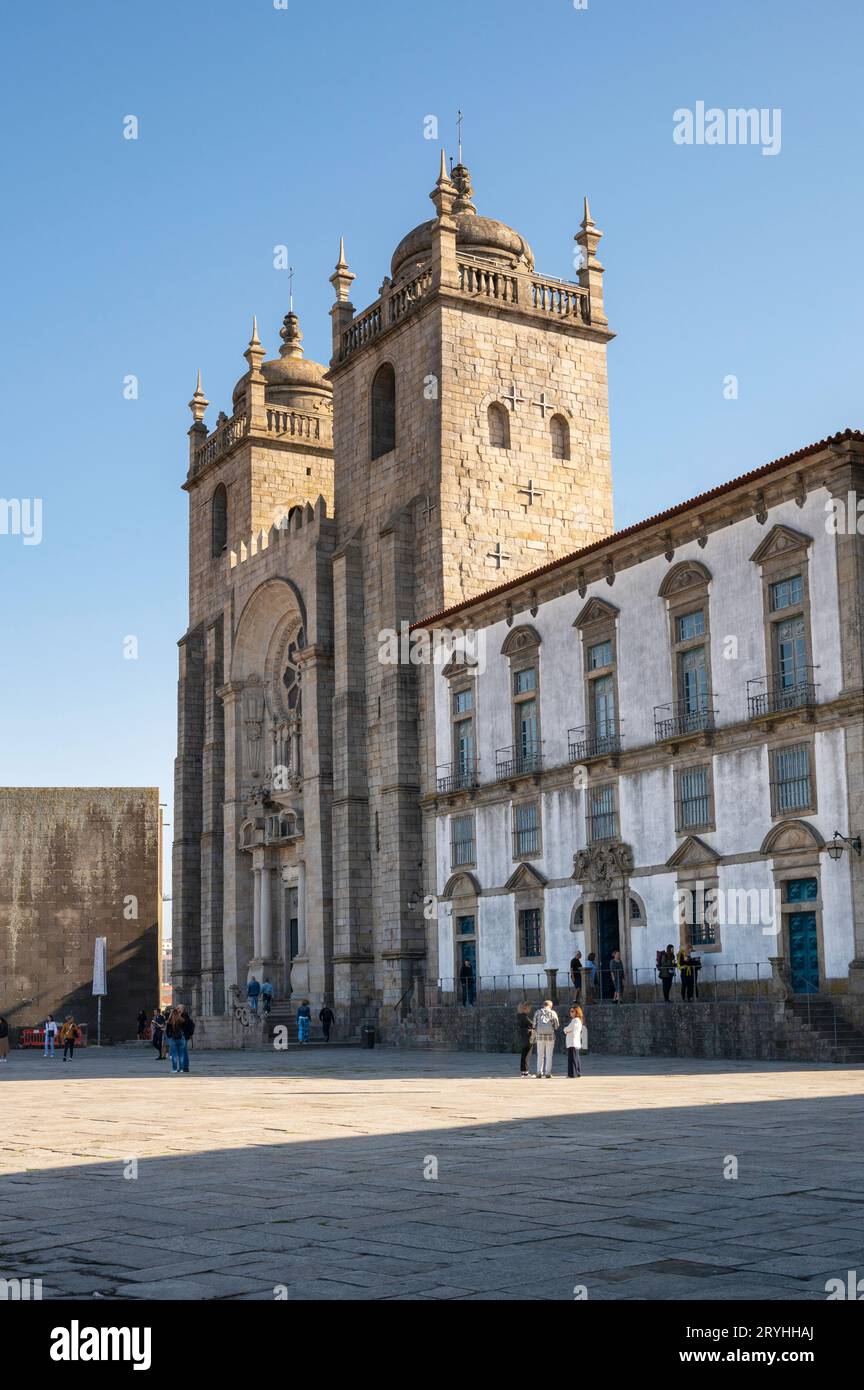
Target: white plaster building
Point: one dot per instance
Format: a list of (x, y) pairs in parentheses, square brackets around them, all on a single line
[(657, 742)]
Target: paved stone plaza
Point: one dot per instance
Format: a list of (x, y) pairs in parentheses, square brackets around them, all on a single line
[(306, 1170)]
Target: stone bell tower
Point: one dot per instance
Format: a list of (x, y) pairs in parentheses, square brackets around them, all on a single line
[(471, 444)]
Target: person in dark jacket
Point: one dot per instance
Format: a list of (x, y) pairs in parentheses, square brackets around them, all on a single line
[(142, 1024), (157, 1035), (687, 969), (666, 969), (327, 1018), (4, 1040), (576, 969), (187, 1023), (524, 1036), (468, 983)]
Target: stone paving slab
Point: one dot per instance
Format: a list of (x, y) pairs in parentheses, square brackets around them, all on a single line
[(311, 1171)]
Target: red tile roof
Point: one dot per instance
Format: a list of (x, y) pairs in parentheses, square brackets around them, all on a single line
[(699, 500)]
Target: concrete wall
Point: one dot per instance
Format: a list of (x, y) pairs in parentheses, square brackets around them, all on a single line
[(76, 863)]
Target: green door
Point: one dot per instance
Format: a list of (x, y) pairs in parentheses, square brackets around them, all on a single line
[(803, 937)]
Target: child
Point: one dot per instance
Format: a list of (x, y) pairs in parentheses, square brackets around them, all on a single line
[(574, 1034)]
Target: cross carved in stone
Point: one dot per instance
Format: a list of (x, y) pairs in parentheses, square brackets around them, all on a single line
[(498, 555), (543, 405), (514, 398), (531, 491)]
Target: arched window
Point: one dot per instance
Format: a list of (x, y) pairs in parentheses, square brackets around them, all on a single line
[(499, 426), (560, 434), (219, 520), (383, 411)]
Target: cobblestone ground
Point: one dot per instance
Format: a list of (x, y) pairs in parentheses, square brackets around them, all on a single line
[(408, 1175)]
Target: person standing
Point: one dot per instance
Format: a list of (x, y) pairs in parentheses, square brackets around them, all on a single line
[(187, 1023), (573, 1037), (69, 1035), (576, 968), (253, 990), (142, 1025), (266, 996), (327, 1018), (466, 979), (687, 972), (524, 1036), (304, 1021), (176, 1041), (4, 1040), (591, 964), (157, 1033), (616, 971), (51, 1031), (666, 970), (546, 1025)]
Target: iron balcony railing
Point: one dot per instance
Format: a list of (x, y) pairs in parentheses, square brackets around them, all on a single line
[(683, 718), (517, 761), (457, 777), (711, 984), (587, 743), (774, 694)]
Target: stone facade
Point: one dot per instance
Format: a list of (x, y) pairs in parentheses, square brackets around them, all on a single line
[(469, 439), (696, 693), (79, 863)]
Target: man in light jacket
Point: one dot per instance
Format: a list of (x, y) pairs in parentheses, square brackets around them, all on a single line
[(546, 1025)]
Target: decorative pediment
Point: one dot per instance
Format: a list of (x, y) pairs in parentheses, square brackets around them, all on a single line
[(791, 837), (600, 866), (462, 885), (688, 574), (521, 640), (781, 540), (525, 877), (596, 610), (691, 853), (459, 665)]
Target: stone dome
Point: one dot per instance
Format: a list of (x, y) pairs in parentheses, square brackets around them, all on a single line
[(291, 379), (476, 236)]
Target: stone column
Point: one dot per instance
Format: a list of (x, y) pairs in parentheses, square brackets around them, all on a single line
[(301, 908), (256, 918), (266, 913)]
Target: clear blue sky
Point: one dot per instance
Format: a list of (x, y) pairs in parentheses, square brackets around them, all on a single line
[(261, 126)]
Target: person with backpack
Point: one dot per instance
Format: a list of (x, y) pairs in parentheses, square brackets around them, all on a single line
[(525, 1037), (546, 1025), (575, 1037), (69, 1035), (51, 1031), (326, 1018), (666, 970)]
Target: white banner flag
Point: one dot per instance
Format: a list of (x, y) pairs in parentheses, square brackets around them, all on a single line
[(100, 966)]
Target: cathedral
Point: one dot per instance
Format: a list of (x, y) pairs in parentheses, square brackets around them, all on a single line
[(458, 437)]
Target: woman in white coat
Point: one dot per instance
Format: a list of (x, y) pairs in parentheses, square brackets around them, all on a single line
[(575, 1036)]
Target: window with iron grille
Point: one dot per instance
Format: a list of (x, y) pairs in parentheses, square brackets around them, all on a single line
[(526, 828), (701, 924), (602, 818), (531, 933), (787, 593), (791, 783), (694, 798), (461, 841)]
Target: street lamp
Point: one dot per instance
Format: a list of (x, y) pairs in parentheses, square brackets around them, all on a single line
[(841, 843)]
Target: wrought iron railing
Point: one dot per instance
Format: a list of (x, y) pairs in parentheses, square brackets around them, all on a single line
[(775, 695), (682, 718), (519, 760), (586, 743), (457, 777)]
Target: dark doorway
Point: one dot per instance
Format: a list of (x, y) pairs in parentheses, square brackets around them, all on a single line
[(607, 942), (466, 952)]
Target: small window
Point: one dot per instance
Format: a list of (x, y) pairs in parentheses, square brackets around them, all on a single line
[(791, 781), (694, 798), (599, 655), (559, 432), (526, 830), (530, 933), (463, 701), (219, 521), (702, 927), (635, 911), (525, 681), (383, 411), (579, 916), (462, 841), (691, 625), (787, 593), (499, 426)]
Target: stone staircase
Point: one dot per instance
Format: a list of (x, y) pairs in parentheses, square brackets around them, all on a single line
[(821, 1017), (284, 1015)]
